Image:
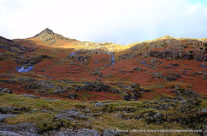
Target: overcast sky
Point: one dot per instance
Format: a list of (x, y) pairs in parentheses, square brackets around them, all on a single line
[(117, 21)]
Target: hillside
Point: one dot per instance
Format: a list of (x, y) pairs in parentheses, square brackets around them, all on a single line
[(62, 86)]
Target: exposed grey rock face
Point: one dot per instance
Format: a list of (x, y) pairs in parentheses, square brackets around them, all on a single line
[(12, 110), (97, 73), (46, 35), (81, 132), (11, 46), (71, 115), (59, 90), (9, 81), (72, 95), (23, 129), (4, 116), (8, 133), (176, 54), (46, 84), (155, 118), (202, 112), (67, 132), (205, 130), (87, 132), (185, 93), (30, 96), (168, 77), (96, 86), (26, 79), (110, 132), (46, 31), (100, 104), (5, 90)]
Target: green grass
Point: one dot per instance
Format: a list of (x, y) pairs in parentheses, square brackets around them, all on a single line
[(109, 119), (41, 104)]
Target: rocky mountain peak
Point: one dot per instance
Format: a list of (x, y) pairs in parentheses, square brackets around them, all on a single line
[(167, 37), (46, 31), (47, 35)]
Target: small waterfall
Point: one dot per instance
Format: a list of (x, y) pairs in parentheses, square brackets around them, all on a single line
[(23, 69), (72, 54), (112, 59)]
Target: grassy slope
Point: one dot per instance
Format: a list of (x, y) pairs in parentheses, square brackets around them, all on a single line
[(109, 119)]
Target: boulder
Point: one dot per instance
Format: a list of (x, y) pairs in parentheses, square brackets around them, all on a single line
[(12, 110), (97, 73), (127, 97), (72, 95), (138, 69), (204, 130), (71, 115), (153, 117), (26, 79), (67, 132), (185, 93), (5, 90), (80, 132), (101, 104), (202, 112), (59, 90), (87, 132), (24, 129), (110, 132), (96, 86), (8, 133), (30, 96), (4, 116)]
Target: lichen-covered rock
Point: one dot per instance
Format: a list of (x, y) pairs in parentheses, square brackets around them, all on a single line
[(4, 116), (185, 93), (80, 58), (71, 115), (24, 129), (153, 117), (12, 110), (177, 54), (8, 133)]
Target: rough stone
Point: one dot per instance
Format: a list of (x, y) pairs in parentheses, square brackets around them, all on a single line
[(59, 90), (110, 132), (4, 116), (88, 132), (67, 132), (8, 133), (30, 96), (71, 115), (25, 129), (72, 95), (5, 90), (100, 104)]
